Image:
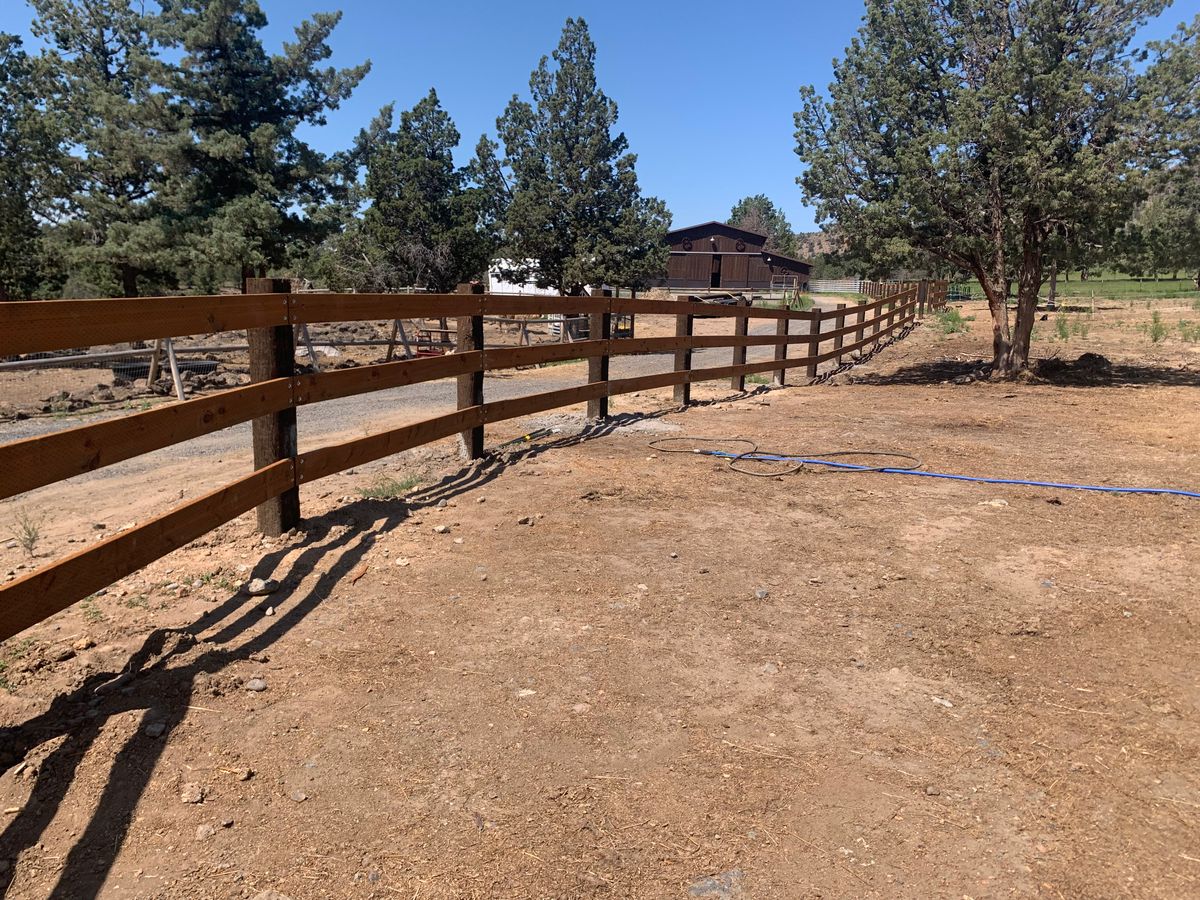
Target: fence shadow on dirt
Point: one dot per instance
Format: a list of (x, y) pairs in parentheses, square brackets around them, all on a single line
[(1089, 370), (161, 677)]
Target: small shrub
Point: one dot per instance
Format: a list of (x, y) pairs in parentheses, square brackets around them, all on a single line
[(385, 488), (758, 379), (951, 321), (1189, 332), (1158, 329), (27, 529), (1062, 327)]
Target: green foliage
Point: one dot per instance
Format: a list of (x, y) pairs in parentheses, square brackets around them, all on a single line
[(254, 190), (576, 215), (1164, 234), (386, 488), (1062, 327), (29, 162), (760, 215), (987, 136), (1189, 331), (1158, 329), (950, 321), (27, 530), (427, 225)]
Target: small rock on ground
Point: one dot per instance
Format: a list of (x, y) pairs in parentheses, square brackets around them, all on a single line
[(192, 792), (260, 587), (726, 886), (257, 685)]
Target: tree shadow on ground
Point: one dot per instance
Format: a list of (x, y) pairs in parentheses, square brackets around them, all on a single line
[(162, 675), (1089, 370)]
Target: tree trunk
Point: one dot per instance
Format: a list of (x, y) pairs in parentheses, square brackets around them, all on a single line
[(1196, 281), (129, 284), (1029, 283)]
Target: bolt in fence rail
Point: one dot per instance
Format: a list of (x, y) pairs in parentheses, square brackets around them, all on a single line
[(269, 316)]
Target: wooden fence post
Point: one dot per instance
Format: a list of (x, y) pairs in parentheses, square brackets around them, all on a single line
[(273, 355), (599, 328), (470, 386), (741, 328), (839, 323), (922, 298), (782, 328), (814, 341), (683, 356), (862, 328)]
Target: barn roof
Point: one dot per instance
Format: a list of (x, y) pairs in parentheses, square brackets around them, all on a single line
[(724, 225)]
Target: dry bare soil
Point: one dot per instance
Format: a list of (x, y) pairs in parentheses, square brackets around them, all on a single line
[(678, 681)]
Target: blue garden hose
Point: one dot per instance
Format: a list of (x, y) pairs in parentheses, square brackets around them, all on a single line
[(822, 459)]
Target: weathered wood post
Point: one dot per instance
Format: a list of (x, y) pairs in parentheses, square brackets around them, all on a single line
[(814, 341), (741, 328), (782, 328), (922, 298), (683, 355), (470, 386), (862, 328), (273, 355), (839, 322), (599, 329)]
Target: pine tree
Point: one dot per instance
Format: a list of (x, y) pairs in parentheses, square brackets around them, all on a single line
[(248, 189), (29, 153), (122, 128), (1168, 224), (989, 136), (760, 215), (576, 214)]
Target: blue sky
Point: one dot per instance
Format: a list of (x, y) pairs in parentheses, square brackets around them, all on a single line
[(706, 89)]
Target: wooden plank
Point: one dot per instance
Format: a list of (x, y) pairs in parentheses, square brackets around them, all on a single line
[(814, 342), (273, 355), (333, 384), (646, 382), (712, 310), (511, 357), (500, 410), (45, 325), (334, 458), (46, 591), (45, 459), (600, 330), (308, 308), (500, 305)]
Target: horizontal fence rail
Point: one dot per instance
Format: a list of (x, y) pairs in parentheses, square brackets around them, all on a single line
[(270, 402)]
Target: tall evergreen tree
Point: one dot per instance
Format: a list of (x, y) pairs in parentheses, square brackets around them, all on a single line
[(988, 135), (429, 224), (248, 187), (29, 157), (760, 215), (576, 215), (123, 129), (1168, 225)]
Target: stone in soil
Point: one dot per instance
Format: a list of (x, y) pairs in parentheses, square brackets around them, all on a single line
[(256, 685), (260, 587), (155, 729), (204, 832), (192, 792)]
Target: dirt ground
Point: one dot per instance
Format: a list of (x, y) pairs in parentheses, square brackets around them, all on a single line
[(678, 681)]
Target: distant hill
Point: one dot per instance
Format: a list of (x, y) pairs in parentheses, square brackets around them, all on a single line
[(814, 243)]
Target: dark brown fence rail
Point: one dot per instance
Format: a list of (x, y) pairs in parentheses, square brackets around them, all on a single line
[(271, 401)]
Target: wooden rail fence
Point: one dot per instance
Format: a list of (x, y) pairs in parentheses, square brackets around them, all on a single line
[(269, 315)]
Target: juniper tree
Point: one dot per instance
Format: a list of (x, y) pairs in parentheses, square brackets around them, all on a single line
[(759, 214), (576, 215), (985, 134)]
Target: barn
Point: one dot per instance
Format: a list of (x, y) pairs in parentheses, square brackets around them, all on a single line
[(716, 256)]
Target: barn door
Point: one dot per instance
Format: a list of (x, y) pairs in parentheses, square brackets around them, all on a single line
[(715, 280)]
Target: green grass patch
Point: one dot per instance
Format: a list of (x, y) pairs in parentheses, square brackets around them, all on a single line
[(758, 379), (387, 488), (951, 321)]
